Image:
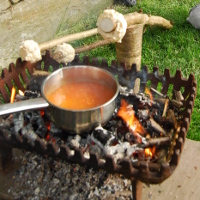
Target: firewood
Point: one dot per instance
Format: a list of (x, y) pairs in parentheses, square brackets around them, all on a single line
[(178, 95), (176, 103), (154, 142), (165, 107), (157, 127)]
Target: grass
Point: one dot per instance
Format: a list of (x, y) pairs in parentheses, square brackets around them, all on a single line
[(178, 48)]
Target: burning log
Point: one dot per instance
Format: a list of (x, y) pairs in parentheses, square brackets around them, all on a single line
[(154, 142), (127, 114)]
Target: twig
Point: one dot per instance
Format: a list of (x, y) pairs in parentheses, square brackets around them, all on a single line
[(92, 46), (156, 91), (68, 38), (165, 107)]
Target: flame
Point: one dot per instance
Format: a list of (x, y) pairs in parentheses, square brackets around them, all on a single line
[(13, 93), (147, 91), (126, 112), (21, 92), (149, 152)]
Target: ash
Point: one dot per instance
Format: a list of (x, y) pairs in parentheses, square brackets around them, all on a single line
[(40, 178)]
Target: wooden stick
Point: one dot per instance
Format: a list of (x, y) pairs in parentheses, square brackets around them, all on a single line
[(132, 18), (92, 46), (157, 92), (68, 38), (140, 18), (108, 25), (155, 142), (165, 107), (176, 103), (58, 55), (178, 95), (157, 127), (137, 18)]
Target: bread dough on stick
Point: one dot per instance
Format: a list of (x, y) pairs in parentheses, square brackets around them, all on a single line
[(30, 51), (112, 25), (64, 53)]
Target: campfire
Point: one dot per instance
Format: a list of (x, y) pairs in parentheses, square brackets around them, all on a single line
[(142, 141)]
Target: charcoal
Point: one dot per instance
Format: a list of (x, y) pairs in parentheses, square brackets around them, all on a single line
[(31, 94), (35, 83), (130, 137), (143, 114), (95, 149), (41, 131), (28, 132), (31, 116), (75, 142), (7, 122), (19, 97), (18, 121), (101, 136)]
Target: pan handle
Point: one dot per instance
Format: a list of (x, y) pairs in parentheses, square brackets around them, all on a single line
[(19, 106)]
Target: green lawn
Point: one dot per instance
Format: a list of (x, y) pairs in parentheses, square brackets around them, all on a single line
[(178, 48)]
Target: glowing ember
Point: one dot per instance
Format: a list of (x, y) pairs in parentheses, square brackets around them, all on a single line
[(126, 112), (42, 113), (13, 93), (149, 152)]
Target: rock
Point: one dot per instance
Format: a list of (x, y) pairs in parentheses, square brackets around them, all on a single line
[(37, 191), (194, 17)]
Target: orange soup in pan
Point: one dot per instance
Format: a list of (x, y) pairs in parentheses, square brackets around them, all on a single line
[(81, 95)]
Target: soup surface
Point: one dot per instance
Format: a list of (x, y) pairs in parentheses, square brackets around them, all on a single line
[(81, 95)]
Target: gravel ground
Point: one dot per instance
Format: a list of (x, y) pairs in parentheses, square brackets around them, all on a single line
[(40, 178)]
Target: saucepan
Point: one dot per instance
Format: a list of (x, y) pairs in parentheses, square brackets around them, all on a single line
[(82, 114)]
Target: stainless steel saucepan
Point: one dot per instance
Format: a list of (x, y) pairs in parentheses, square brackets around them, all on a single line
[(73, 121)]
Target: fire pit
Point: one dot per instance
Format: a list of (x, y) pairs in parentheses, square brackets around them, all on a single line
[(144, 169)]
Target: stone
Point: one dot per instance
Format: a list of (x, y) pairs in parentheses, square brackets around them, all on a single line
[(4, 5)]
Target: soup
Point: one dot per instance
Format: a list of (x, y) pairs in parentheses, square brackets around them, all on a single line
[(81, 95)]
